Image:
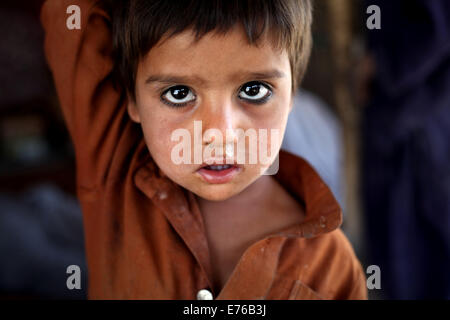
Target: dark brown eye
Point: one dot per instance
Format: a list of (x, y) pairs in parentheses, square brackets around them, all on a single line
[(178, 95), (255, 92)]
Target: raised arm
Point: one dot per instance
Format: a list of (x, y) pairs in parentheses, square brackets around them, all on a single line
[(94, 111)]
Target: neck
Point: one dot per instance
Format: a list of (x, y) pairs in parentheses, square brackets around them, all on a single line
[(254, 195)]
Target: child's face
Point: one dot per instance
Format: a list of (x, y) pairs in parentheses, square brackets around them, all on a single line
[(223, 82)]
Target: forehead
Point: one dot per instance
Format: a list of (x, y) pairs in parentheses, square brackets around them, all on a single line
[(215, 57)]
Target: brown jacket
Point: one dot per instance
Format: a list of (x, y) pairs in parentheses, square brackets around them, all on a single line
[(144, 234)]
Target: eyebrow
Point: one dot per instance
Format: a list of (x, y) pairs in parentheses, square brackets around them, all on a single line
[(171, 78)]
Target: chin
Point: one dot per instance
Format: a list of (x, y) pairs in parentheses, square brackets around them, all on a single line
[(217, 192)]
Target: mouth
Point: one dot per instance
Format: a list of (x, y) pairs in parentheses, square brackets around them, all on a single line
[(219, 173)]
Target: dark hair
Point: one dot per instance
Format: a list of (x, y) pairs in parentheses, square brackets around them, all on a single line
[(138, 25)]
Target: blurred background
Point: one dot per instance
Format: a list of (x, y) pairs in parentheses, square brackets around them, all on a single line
[(372, 116)]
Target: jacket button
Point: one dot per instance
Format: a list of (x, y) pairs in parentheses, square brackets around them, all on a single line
[(204, 295)]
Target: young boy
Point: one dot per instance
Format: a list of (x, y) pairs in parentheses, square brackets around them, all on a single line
[(139, 71)]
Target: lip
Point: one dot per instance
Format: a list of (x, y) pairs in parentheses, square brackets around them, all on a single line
[(219, 177)]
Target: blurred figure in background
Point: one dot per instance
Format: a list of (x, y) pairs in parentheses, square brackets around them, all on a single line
[(314, 133), (41, 230), (406, 149), (41, 234)]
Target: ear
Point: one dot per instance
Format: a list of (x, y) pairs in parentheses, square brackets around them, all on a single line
[(133, 111)]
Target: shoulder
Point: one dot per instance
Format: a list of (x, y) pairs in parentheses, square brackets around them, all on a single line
[(327, 264)]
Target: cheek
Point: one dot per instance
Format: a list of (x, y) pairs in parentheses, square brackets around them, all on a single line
[(275, 121), (157, 133)]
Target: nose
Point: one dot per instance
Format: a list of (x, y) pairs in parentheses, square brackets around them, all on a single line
[(220, 119)]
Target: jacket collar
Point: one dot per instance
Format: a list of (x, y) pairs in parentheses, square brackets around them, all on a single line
[(322, 211)]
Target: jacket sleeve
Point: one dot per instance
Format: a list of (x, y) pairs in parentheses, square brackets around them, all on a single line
[(359, 289), (354, 284), (94, 111), (347, 276)]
